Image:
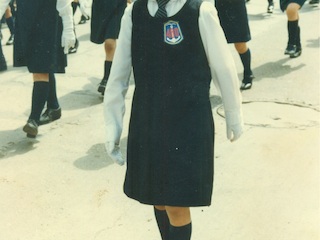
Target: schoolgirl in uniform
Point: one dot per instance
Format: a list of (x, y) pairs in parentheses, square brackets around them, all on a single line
[(234, 21), (105, 25), (175, 49), (292, 7), (43, 28)]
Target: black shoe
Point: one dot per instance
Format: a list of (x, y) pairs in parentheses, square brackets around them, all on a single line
[(3, 64), (270, 8), (83, 19), (291, 49), (31, 128), (102, 86), (247, 82), (50, 115), (75, 48), (314, 2), (296, 53), (10, 40)]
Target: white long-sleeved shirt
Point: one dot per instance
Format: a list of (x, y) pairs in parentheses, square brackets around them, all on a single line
[(219, 57)]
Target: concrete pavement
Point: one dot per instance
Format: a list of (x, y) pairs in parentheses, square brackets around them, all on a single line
[(62, 186)]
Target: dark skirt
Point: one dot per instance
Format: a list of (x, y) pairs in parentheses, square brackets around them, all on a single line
[(106, 19), (171, 163), (234, 20), (38, 37), (284, 3)]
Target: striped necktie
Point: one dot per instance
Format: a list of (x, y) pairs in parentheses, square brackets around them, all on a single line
[(161, 13)]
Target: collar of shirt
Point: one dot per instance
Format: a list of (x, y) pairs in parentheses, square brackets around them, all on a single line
[(172, 7)]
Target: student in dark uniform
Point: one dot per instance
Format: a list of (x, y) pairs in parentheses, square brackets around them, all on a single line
[(43, 28), (174, 50), (234, 21), (292, 7), (105, 25)]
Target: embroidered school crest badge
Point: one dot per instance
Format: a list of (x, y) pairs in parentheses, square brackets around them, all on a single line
[(172, 33)]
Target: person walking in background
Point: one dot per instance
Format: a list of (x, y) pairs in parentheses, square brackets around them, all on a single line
[(174, 50), (82, 5), (292, 7), (105, 26), (3, 63), (43, 28), (10, 23), (234, 21)]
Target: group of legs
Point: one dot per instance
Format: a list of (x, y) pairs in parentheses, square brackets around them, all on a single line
[(293, 49)]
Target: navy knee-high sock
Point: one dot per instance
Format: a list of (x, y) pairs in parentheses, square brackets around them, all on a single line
[(292, 32), (107, 67), (298, 40), (10, 24), (1, 52), (52, 101), (163, 223), (246, 62), (39, 98), (180, 233)]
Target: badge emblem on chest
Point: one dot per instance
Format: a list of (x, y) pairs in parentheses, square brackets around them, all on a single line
[(172, 33)]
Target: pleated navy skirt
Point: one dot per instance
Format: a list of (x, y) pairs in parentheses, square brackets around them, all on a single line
[(38, 37)]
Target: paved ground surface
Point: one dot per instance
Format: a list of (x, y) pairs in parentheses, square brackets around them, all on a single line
[(62, 186)]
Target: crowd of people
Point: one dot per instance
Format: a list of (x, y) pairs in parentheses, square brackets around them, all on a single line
[(172, 47)]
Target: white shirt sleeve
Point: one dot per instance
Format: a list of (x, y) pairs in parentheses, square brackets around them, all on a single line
[(118, 82), (3, 6), (221, 62), (63, 7)]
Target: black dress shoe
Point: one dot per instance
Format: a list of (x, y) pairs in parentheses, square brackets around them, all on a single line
[(102, 86), (83, 19), (50, 115), (270, 7), (10, 40), (291, 49), (31, 128), (75, 48), (247, 82), (296, 53)]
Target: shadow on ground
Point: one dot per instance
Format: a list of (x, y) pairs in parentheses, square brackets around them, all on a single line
[(275, 69), (97, 157), (16, 144)]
